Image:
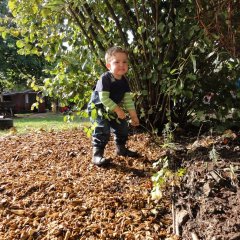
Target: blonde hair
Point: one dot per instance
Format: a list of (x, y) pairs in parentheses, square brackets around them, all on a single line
[(111, 52)]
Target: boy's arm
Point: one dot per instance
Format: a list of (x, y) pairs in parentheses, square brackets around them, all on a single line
[(111, 105), (129, 105), (134, 118)]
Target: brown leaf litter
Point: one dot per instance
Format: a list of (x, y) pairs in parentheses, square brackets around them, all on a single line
[(50, 190)]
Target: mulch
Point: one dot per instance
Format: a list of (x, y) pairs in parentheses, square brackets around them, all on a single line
[(49, 189)]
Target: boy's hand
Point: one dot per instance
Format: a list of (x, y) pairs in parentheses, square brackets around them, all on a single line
[(134, 118), (134, 121), (120, 113)]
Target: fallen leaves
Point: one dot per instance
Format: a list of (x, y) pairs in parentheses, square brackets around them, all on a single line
[(50, 190)]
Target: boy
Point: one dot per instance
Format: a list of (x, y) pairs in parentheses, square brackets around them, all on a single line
[(111, 93)]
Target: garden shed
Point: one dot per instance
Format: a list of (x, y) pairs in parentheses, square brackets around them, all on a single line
[(22, 101)]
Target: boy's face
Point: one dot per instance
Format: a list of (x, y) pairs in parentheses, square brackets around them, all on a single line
[(118, 64)]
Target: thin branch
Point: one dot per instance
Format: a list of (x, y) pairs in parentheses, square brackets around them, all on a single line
[(92, 32), (142, 38), (156, 11), (82, 27), (128, 12), (125, 41), (118, 25), (93, 18), (74, 15)]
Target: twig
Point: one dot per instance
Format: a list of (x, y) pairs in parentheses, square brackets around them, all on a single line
[(175, 225), (194, 236), (216, 176), (199, 131), (151, 134)]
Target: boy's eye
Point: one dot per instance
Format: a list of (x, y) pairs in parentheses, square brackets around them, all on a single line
[(117, 62)]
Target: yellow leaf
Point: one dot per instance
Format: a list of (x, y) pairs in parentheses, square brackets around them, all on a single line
[(45, 12), (35, 8), (4, 35), (19, 212), (11, 4)]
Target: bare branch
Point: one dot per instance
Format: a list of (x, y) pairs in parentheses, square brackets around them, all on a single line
[(82, 27), (118, 25)]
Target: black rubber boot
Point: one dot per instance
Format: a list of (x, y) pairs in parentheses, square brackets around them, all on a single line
[(123, 151), (98, 158)]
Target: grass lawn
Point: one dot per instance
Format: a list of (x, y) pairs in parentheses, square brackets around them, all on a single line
[(25, 123)]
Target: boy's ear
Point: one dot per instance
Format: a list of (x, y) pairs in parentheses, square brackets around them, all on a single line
[(108, 66)]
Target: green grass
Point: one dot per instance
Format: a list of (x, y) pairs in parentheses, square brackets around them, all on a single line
[(25, 123)]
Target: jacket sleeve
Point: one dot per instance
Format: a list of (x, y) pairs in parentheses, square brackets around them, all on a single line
[(106, 101), (128, 102)]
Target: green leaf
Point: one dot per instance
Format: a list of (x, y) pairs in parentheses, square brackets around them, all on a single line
[(144, 92), (56, 5), (155, 61), (4, 35), (20, 43), (11, 4), (35, 106), (141, 29), (173, 71), (150, 111), (161, 26), (35, 8), (188, 94), (15, 33), (45, 12), (94, 114), (193, 58), (191, 76), (210, 54), (182, 172), (170, 24)]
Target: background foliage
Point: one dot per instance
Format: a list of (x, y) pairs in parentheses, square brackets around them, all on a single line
[(177, 56), (15, 70)]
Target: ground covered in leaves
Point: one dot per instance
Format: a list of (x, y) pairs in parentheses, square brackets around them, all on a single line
[(50, 190)]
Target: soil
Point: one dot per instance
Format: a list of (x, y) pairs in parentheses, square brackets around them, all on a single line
[(49, 189)]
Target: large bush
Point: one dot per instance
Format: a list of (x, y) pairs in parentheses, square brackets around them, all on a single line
[(174, 61)]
